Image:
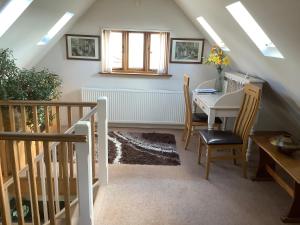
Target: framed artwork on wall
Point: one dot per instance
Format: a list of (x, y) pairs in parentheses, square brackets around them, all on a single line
[(83, 47), (186, 50)]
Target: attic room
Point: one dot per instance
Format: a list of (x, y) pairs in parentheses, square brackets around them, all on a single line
[(141, 112)]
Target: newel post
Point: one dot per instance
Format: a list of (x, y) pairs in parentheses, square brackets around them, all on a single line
[(102, 139), (84, 174)]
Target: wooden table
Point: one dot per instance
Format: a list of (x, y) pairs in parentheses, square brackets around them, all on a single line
[(269, 158)]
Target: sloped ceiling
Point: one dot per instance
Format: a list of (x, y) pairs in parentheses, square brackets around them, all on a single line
[(280, 21), (34, 23)]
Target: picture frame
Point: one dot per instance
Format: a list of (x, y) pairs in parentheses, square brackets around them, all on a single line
[(83, 47), (186, 50)]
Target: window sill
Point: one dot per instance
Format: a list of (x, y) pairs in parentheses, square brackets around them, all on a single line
[(136, 74)]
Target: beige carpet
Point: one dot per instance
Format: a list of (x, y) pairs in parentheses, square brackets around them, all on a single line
[(178, 195)]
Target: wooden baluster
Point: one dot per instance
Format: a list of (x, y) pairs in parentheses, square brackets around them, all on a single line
[(22, 157), (43, 189), (4, 205), (69, 116), (66, 182), (71, 156), (3, 148), (33, 186), (55, 176), (70, 144), (12, 122), (15, 173), (23, 118), (58, 147), (36, 126), (47, 155), (80, 112), (57, 119), (12, 128), (93, 144), (46, 119), (1, 120)]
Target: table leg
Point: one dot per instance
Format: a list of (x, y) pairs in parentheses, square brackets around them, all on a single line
[(261, 173), (294, 214), (194, 109), (211, 119), (224, 123)]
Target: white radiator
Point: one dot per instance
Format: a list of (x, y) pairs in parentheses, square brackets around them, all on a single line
[(140, 106)]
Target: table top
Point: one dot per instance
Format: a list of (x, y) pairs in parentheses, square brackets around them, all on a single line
[(291, 164), (214, 100), (209, 99)]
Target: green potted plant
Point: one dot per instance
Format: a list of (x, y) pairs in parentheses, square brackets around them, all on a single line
[(26, 84)]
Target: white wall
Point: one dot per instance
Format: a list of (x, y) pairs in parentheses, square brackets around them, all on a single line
[(162, 15), (280, 20), (22, 37)]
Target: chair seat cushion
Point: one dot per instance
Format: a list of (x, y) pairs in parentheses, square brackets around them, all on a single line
[(218, 137), (202, 117)]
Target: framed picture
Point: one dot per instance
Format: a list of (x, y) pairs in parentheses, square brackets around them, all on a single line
[(186, 50), (83, 47)]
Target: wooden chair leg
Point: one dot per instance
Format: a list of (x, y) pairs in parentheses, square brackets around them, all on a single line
[(187, 138), (234, 155), (207, 164), (199, 151), (244, 162), (184, 132)]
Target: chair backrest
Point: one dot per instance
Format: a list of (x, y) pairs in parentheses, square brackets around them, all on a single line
[(187, 99), (248, 111)]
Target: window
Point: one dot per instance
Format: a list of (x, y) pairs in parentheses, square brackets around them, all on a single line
[(253, 30), (212, 33), (56, 28), (11, 12), (135, 52)]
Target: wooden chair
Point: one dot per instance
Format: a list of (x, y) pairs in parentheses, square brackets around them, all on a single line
[(236, 139), (192, 119)]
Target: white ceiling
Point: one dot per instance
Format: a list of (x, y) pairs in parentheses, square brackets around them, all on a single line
[(34, 23), (279, 19)]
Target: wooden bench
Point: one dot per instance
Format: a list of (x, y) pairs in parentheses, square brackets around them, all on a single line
[(269, 158)]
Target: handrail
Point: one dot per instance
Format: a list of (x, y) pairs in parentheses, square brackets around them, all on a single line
[(46, 103), (49, 162), (42, 137), (89, 115)]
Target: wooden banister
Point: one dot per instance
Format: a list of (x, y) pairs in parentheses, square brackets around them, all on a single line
[(48, 167), (47, 103), (42, 137)]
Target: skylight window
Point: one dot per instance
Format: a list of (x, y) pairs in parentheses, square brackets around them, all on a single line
[(56, 28), (11, 12), (253, 30), (212, 33)]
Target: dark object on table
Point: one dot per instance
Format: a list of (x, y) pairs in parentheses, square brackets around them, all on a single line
[(285, 144)]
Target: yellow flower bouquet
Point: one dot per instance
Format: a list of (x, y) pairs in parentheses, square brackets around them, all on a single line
[(218, 58)]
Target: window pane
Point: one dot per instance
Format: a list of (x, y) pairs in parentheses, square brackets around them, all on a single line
[(253, 30), (116, 42), (136, 51), (154, 51), (212, 33)]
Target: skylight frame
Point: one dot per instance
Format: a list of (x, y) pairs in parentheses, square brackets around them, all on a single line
[(212, 33), (56, 28), (11, 12), (253, 30)]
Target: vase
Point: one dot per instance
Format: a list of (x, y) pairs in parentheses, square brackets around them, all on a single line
[(219, 80)]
